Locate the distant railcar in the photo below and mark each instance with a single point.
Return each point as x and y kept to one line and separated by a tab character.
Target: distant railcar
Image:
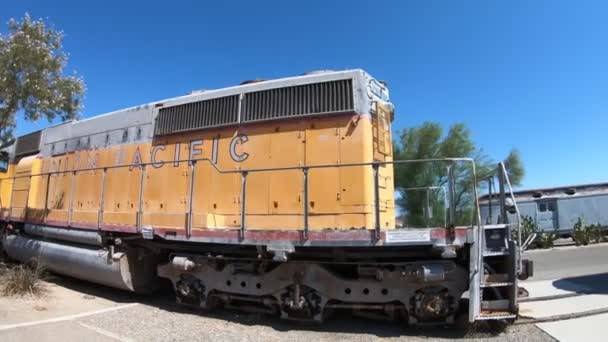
556	209
274	195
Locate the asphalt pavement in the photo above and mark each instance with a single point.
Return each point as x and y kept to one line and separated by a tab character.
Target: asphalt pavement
576	280
569	261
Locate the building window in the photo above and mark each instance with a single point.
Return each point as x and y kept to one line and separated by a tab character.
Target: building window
546	206
542	206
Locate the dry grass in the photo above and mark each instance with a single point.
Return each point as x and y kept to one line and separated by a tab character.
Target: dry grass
20	280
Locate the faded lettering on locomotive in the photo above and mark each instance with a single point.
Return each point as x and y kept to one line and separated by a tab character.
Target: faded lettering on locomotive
156	158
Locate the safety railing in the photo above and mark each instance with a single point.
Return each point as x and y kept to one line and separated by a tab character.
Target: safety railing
428	212
504	181
243	191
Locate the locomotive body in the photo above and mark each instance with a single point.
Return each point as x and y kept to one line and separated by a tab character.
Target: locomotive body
274	196
333	126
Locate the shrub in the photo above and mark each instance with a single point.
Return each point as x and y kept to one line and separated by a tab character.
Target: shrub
547	239
585	234
596	232
21	280
528	227
543	238
581	234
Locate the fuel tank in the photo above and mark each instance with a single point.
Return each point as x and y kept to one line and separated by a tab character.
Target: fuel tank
126	269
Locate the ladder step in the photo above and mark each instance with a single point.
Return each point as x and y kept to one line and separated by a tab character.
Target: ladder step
487	253
495	315
496	277
496	280
495	305
496	284
495	226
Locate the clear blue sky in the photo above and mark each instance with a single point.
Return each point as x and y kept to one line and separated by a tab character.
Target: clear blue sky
525	74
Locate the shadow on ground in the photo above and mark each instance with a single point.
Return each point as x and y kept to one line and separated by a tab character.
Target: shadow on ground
339	322
588	284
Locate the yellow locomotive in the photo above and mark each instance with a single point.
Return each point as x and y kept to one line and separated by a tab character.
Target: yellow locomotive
276	194
263	125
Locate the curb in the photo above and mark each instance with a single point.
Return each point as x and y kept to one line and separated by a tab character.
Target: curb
530	320
565	247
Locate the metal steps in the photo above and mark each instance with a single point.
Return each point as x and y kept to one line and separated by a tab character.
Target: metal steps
495	315
497	283
495	254
495	226
496	277
490	253
498	304
496	280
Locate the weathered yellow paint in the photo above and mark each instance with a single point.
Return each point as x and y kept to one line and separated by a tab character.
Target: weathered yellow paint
339	198
383	145
6	190
21	186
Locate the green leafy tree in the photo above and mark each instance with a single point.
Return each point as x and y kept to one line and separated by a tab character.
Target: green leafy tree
426	142
32	79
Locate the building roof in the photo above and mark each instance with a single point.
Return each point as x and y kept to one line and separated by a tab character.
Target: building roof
556	192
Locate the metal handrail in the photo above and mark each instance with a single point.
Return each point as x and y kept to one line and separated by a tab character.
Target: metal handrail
287	168
445	198
506	177
244	172
480	234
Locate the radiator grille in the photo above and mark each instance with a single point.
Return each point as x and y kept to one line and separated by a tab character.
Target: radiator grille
28	144
316	98
301	100
217	112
